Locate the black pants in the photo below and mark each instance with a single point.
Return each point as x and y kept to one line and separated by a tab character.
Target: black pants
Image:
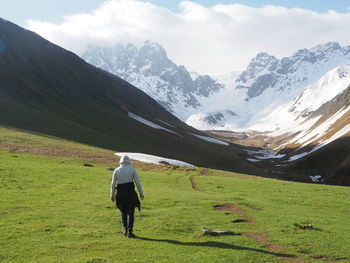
128	218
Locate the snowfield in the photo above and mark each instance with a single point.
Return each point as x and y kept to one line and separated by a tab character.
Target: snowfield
149	123
337	135
253	160
316	178
147	158
264	154
209	139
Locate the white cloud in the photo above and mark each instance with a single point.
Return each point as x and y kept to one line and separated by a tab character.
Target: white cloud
207	40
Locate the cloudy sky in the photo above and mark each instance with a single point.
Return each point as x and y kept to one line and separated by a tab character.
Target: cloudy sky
210	37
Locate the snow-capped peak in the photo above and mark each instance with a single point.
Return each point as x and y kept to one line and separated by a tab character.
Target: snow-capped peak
149	68
268	84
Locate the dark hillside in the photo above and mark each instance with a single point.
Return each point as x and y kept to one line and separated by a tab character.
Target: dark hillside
46	89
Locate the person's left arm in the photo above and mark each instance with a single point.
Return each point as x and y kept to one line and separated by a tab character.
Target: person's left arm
113	183
138	183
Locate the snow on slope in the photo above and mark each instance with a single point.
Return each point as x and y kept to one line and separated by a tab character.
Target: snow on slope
269	84
305	137
149	69
345	130
209	139
149	123
147	158
292	117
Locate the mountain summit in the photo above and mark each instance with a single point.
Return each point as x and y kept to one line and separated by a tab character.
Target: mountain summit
269	83
149	68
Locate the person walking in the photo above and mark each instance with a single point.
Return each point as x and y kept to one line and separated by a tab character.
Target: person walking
124	194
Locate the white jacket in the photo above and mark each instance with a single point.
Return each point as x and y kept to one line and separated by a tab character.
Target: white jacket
125	174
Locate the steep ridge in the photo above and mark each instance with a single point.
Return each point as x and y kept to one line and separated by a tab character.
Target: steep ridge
269	83
313	140
49	90
149	68
324	149
302	111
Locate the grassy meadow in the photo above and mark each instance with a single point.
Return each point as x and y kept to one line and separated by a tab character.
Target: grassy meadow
55	209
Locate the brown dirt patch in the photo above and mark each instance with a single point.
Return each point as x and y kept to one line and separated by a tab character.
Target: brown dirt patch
274	247
229	207
295	260
260	237
95	155
204	171
264	239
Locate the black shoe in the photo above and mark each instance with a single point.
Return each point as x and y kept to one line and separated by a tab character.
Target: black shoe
131	235
125	233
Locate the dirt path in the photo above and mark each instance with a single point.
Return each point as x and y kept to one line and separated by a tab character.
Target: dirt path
193	181
265	241
262	238
194	184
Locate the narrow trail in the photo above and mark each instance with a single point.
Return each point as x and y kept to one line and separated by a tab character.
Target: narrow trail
265	241
193	181
194	184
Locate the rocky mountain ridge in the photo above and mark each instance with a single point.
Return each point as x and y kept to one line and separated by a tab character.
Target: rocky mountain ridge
149	68
269	83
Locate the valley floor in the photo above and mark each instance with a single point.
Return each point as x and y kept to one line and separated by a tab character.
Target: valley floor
54	208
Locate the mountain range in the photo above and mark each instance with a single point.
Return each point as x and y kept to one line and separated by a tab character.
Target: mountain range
301	99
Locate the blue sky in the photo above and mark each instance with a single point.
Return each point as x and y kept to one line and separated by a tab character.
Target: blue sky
317	5
18	11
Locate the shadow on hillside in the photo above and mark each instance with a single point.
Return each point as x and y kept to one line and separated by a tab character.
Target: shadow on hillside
215	244
332	162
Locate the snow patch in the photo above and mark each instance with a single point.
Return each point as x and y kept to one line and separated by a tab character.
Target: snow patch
147	158
298	156
316	178
253	160
166	123
264	154
338	134
149	123
307	137
209	139
194	75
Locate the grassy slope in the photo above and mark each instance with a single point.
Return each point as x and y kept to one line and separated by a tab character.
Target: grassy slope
54	209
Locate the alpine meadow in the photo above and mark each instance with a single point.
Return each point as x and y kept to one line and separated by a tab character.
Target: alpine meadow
174	131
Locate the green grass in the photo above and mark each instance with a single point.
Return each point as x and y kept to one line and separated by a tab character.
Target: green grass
55	209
